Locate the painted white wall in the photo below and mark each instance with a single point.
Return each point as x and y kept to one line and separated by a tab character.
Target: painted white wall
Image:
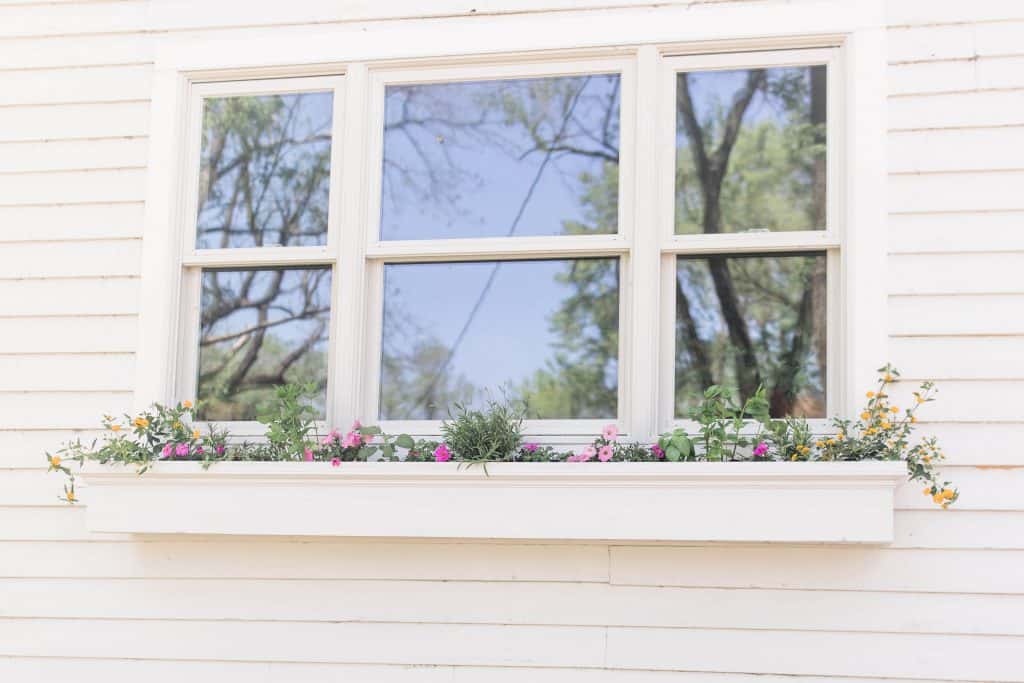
943	603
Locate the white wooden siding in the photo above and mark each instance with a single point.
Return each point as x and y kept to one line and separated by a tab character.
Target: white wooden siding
943	603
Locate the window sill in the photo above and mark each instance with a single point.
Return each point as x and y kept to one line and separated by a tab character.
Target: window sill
645	502
839	503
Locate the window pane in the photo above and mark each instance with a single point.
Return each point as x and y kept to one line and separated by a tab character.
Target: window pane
543	331
260	329
535	156
746	320
750	150
264	171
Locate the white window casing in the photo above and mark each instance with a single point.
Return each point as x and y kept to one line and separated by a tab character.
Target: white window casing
647	47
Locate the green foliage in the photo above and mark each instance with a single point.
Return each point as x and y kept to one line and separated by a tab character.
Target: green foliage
493	433
291	420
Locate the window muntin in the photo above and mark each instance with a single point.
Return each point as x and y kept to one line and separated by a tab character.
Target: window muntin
751	150
553	322
258	329
501	158
264	170
748	320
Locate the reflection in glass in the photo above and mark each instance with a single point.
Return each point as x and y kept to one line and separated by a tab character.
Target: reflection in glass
264	171
260	329
746	320
542	331
750	150
536	156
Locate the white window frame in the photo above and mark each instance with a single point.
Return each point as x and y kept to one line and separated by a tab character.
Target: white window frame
652	39
827	239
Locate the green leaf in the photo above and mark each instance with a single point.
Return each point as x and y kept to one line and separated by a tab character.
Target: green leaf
405	441
672	453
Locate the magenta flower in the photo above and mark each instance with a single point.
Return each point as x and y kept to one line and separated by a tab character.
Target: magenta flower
658	452
530	447
181	449
307	454
335	462
219	449
610	432
352	440
760	449
605	453
442	454
199	450
167	450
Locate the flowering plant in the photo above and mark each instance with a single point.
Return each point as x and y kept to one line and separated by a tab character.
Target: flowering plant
727	431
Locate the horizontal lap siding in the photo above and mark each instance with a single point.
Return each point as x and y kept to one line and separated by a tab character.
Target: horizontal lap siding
942	603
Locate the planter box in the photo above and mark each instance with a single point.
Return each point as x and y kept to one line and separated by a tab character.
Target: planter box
647	502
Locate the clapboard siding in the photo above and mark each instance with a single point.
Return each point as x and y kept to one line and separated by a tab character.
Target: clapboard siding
942	603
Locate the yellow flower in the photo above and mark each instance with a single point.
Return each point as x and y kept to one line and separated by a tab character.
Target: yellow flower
186	404
913	418
71	496
894	410
885	424
819	443
948	494
927	458
920	399
945	506
54	461
794	457
177	425
938	499
887	378
927	490
871	394
141	422
115	428
195	433
865	415
840	436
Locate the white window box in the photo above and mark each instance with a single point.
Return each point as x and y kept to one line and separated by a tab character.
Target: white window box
646	502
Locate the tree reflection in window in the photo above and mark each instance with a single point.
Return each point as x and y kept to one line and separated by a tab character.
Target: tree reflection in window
260	329
264	171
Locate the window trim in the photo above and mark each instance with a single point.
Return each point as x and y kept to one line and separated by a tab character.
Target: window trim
647	33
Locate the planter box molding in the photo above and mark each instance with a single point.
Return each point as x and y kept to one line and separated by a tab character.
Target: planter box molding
817	502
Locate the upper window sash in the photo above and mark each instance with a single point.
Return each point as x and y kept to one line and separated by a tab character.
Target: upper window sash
199	94
826	236
468	246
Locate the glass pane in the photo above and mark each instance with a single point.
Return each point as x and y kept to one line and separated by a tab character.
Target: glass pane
259	329
264	171
750	150
536	156
746	320
543	331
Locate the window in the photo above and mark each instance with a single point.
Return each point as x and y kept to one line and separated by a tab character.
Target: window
464	231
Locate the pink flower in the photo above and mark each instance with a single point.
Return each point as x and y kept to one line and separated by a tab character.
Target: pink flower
181	449
610	432
586	454
331	437
219	449
199	450
760	449
335	462
658	452
442	454
530	447
352	440
167	450
605	453
307	454
356	425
